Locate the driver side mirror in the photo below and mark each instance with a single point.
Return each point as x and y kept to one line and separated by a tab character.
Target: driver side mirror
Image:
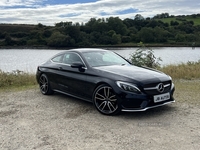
78	65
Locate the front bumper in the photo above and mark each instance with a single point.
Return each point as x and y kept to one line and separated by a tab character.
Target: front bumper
146	108
142	102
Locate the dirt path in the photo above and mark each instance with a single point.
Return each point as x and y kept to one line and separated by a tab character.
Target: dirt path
29	120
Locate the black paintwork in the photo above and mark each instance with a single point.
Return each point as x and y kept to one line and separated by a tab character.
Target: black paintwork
80	80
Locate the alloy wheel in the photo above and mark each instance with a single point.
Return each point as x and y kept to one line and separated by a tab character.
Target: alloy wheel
105	100
44	85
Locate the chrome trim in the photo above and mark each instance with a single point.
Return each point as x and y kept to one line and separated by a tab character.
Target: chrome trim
160	87
166	85
144	109
155	88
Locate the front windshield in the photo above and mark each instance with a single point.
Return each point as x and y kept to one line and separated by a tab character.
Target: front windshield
103	58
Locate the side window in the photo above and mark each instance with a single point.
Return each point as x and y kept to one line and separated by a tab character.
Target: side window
57	59
71	58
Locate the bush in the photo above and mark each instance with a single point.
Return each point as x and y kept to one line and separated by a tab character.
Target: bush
144	56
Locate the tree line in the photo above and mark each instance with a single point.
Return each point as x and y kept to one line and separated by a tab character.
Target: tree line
162	29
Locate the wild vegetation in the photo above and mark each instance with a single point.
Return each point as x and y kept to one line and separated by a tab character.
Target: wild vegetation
144	57
188	71
16	79
161	30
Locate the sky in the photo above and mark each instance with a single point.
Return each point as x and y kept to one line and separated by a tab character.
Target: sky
49	12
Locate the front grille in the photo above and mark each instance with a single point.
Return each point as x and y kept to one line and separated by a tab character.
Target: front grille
152	89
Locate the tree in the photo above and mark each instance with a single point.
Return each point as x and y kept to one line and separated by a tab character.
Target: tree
146	35
59	40
117	25
152	24
73	32
138	17
116	39
180	38
132	30
144	56
8	40
160	35
126	39
111	33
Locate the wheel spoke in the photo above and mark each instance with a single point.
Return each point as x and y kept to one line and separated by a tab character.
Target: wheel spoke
42	87
113	98
106	92
111	105
41	80
104	105
100	97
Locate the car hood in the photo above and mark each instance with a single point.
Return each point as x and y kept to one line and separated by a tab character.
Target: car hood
144	75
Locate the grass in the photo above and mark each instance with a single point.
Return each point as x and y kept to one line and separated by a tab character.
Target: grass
188	18
189	71
16	80
187	91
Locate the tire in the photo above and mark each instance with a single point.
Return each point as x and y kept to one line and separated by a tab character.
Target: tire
105	100
45	87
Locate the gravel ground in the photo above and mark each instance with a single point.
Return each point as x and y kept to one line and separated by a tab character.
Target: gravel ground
31	121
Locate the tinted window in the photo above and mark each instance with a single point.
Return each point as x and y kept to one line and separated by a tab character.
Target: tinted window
105	58
70	58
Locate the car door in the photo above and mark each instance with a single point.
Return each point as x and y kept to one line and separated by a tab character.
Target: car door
54	71
72	80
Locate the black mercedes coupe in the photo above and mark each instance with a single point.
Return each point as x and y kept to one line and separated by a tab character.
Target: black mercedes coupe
106	79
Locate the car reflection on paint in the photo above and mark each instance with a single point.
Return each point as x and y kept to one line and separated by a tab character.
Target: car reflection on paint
106	79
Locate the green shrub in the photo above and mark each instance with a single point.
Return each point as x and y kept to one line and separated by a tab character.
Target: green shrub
144	56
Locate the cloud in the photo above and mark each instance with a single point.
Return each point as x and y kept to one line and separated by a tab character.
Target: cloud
17	3
41	11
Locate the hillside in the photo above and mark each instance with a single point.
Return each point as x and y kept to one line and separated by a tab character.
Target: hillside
161	30
180	19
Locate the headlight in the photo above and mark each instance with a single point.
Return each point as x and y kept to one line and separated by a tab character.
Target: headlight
128	87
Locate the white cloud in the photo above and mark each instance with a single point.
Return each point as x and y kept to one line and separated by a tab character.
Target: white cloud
50	14
10	3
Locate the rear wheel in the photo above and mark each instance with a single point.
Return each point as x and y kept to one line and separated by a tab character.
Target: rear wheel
45	87
105	100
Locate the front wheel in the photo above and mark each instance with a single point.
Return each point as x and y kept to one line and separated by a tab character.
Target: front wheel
45	87
105	100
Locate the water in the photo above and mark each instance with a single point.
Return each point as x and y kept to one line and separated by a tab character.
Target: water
169	55
28	59
25	60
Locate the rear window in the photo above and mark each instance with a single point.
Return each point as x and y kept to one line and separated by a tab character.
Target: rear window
57	59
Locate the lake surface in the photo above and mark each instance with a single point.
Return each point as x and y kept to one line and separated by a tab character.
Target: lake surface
28	59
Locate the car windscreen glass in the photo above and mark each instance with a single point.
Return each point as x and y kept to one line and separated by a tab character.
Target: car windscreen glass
103	58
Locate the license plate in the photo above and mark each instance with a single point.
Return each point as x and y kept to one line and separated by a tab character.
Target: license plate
161	97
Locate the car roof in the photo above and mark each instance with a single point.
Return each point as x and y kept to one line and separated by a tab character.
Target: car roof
80	50
86	49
